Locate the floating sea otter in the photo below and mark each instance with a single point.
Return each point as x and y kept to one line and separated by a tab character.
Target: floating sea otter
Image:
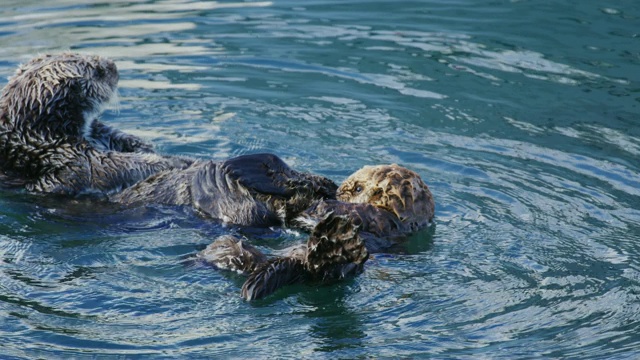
52	142
50	138
377	206
250	190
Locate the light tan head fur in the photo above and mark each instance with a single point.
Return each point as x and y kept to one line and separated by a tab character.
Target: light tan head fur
393	188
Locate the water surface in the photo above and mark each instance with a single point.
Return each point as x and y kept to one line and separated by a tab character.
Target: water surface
522	116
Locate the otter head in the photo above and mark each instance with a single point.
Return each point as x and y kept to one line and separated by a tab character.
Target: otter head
392	188
58	95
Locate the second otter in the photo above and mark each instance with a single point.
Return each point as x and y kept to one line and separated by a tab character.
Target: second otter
50	138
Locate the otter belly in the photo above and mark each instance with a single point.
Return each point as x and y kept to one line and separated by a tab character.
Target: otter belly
251	190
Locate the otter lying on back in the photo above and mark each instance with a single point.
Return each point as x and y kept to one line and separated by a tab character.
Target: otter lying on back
387	202
377	207
251	190
50	138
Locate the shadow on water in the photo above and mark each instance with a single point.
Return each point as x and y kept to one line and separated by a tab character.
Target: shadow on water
418	243
335	325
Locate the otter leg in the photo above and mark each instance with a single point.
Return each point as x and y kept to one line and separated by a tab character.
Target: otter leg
267	174
219	196
334	251
116	170
231	253
271	276
105	138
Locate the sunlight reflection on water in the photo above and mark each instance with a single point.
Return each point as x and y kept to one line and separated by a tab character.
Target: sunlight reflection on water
527	139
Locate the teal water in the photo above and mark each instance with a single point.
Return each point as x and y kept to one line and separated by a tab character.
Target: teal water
522	116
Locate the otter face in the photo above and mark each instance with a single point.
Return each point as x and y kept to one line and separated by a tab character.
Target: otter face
393	188
59	93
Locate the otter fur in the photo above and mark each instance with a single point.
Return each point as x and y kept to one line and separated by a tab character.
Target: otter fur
375	208
250	190
334	251
51	140
387	202
230	253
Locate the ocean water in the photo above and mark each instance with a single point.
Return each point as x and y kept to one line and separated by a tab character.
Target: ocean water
522	116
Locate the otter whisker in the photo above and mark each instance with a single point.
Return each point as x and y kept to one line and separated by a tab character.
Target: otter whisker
114	102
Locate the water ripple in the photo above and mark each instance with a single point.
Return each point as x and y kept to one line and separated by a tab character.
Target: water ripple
527	139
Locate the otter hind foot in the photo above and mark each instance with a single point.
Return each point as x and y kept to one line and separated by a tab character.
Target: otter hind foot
334	251
231	253
271	276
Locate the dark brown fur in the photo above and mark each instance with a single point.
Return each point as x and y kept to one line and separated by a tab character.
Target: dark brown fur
254	190
230	253
334	251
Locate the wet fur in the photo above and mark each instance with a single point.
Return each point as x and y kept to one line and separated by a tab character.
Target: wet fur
393	188
50	139
334	251
252	190
388	202
230	253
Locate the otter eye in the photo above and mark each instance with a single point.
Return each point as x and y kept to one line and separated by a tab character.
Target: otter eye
358	189
100	71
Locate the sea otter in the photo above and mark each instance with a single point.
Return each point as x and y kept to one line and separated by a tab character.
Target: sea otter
51	140
377	206
250	190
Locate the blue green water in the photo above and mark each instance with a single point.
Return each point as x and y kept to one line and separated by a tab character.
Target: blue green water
522	116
